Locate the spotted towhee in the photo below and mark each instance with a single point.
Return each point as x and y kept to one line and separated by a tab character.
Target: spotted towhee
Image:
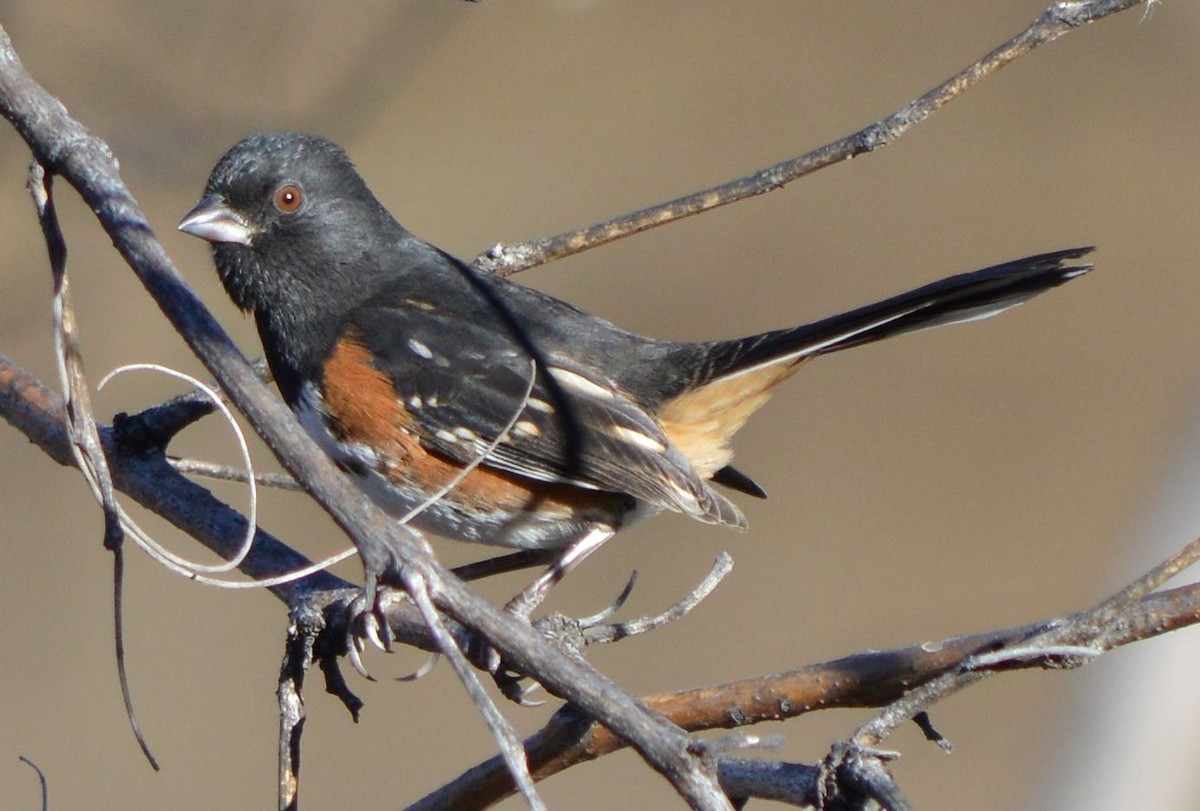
408	365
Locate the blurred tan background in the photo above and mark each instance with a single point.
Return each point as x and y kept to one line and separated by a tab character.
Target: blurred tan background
949	482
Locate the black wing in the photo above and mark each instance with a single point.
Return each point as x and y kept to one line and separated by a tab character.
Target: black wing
467	374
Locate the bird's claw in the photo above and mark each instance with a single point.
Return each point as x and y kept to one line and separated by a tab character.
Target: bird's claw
366	621
485	657
511	684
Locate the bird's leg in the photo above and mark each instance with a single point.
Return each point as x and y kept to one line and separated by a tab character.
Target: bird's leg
533	595
526	602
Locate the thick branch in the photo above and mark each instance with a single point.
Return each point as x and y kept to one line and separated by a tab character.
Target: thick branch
872	679
151	481
64	147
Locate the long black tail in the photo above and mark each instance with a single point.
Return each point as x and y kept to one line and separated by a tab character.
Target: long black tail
966	297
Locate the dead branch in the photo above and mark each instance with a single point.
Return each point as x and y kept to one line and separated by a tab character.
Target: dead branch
1057	20
874	679
65	148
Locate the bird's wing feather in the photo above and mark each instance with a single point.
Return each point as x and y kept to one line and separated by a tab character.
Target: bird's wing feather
464	379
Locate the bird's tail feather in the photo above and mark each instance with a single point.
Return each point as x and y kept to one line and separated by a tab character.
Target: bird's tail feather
724	382
957	299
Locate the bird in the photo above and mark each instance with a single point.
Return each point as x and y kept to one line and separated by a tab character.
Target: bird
482	410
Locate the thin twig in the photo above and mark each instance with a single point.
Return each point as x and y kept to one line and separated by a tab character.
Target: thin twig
1058	19
1067	642
1070	641
157	551
80	424
793	783
595	633
153	428
505	736
1151	580
856	777
302	635
80	420
228	473
149	480
41	779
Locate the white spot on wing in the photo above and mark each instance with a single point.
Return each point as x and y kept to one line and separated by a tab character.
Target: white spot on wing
635	437
576	381
540	405
419	348
446	436
526	428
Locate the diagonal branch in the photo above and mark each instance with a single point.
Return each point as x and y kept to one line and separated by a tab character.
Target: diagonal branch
65	148
1055	21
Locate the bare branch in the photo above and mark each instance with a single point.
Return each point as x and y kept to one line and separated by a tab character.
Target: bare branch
793	783
872	679
1067	642
595	633
149	479
219	472
1150	581
856	777
80	425
65	148
502	731
1058	19
303	632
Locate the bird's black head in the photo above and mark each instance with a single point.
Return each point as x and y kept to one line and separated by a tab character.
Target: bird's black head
297	237
290	220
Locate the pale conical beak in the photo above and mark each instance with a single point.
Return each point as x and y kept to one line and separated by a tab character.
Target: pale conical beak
215	221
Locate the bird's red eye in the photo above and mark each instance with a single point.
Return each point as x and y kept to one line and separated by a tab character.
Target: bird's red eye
289	198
